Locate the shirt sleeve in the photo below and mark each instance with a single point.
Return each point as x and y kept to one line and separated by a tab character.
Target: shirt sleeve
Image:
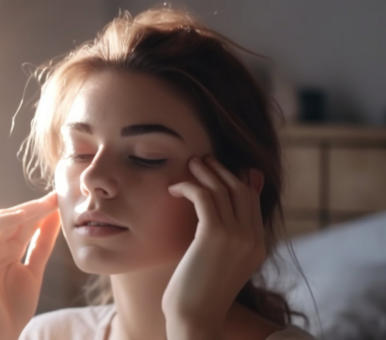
83	323
41	327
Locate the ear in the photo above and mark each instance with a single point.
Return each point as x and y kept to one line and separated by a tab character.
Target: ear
253	178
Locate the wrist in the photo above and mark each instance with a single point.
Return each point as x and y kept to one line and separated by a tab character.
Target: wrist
182	328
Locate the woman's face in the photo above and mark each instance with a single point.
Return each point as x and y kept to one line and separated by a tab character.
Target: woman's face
104	170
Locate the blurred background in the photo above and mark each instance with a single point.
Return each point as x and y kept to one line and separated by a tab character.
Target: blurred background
326	70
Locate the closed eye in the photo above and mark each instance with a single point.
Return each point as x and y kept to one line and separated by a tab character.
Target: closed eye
80	157
146	162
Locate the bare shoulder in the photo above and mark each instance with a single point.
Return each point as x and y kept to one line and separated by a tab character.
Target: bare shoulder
245	324
291	333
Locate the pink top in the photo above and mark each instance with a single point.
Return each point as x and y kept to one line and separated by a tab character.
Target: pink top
92	322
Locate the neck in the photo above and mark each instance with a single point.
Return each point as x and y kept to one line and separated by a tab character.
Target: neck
138	297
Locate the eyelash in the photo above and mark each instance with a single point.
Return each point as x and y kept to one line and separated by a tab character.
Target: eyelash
144	162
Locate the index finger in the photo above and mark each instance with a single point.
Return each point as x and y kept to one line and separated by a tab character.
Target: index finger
33	209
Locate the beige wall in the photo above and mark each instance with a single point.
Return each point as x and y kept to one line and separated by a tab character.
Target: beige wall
336	45
32	32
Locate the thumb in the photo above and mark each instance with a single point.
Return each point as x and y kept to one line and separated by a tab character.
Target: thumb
42	244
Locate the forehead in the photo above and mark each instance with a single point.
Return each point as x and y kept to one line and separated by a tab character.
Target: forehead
110	100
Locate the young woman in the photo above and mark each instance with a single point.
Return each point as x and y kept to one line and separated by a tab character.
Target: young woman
165	168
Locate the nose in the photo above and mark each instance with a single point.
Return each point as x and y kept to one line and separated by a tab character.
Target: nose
98	179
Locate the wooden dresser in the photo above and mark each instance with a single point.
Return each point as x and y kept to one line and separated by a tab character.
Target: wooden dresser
332	174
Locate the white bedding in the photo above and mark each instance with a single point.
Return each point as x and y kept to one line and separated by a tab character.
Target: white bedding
345	266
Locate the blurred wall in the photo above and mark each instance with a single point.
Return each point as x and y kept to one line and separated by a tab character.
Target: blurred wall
339	46
32	32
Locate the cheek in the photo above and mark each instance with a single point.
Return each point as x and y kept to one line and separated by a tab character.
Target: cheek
176	222
182	213
65	178
170	229
65	186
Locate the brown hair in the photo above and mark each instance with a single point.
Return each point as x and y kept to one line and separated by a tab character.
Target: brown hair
201	65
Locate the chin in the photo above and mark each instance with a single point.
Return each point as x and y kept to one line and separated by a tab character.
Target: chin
94	260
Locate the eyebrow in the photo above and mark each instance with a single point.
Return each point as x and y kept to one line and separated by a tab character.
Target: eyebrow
129	130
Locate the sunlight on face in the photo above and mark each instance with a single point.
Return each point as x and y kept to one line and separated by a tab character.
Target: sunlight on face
113	166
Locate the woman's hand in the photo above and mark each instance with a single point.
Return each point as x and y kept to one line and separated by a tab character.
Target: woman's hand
20	283
227	249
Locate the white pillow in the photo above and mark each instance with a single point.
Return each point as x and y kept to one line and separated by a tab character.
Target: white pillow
343	264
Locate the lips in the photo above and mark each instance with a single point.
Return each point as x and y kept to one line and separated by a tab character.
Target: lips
96	219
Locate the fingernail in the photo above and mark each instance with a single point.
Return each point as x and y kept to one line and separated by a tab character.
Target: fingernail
48	196
172	188
174	192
